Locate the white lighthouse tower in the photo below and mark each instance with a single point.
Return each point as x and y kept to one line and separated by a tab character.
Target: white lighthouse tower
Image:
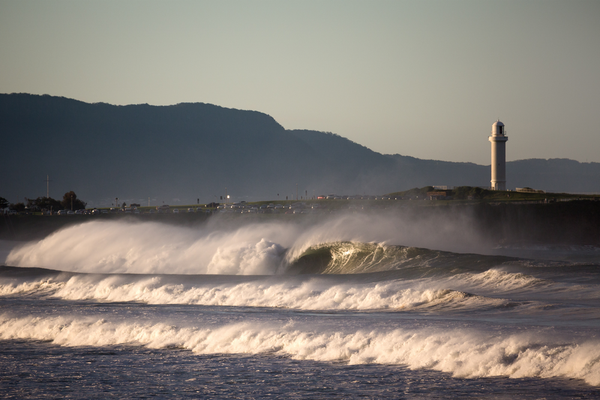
498	140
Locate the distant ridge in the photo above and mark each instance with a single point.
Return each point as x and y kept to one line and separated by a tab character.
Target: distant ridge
189	151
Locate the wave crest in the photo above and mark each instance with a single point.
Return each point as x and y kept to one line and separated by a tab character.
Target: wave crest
310	294
466	353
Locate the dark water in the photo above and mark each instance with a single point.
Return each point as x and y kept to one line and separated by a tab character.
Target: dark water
303	316
43	370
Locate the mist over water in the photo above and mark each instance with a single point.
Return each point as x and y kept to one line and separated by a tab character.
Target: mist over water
223	247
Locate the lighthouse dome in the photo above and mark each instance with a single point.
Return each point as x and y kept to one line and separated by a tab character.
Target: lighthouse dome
498	128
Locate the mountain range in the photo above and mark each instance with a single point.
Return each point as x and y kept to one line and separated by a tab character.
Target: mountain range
193	152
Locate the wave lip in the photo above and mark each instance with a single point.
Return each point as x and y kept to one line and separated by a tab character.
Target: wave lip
349	257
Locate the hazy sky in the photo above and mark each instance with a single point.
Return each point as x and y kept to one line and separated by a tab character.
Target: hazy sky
419	78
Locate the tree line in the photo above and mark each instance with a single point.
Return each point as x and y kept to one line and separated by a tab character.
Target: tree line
46	204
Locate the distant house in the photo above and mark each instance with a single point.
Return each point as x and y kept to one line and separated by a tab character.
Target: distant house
529	190
439	195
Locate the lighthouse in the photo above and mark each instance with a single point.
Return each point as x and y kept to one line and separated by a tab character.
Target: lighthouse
498	140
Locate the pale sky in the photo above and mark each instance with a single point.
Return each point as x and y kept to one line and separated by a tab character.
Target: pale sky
420	78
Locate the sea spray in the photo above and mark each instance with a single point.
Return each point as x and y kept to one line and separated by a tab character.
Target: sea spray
126	247
224	247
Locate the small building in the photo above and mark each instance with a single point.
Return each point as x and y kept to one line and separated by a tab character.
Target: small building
439	195
529	190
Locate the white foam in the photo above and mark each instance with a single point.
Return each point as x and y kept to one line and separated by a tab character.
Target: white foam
497	281
467	353
312	294
502	280
45	286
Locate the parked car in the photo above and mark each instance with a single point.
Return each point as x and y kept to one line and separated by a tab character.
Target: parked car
163	208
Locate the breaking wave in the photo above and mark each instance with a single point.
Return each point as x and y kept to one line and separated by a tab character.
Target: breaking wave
463	292
467	353
344	244
312	294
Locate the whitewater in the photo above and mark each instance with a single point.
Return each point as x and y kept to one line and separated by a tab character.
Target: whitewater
344	306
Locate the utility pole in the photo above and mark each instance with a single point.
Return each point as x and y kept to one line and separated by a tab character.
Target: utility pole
47	186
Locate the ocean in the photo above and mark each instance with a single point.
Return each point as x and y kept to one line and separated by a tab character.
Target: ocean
339	306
